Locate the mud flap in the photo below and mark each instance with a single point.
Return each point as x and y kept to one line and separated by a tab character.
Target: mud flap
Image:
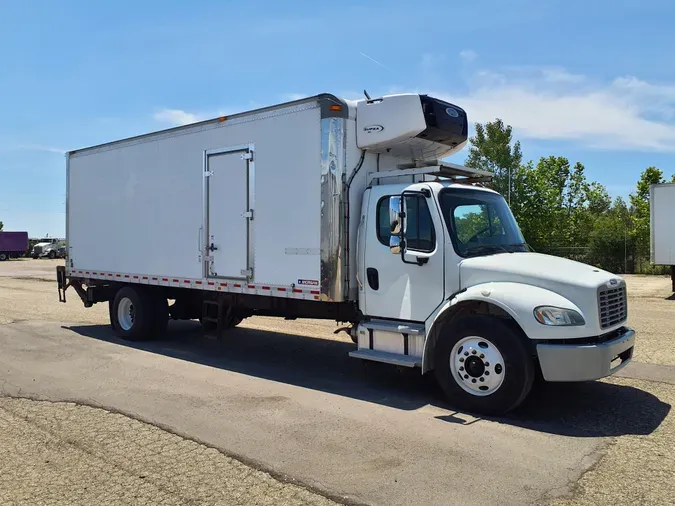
62	282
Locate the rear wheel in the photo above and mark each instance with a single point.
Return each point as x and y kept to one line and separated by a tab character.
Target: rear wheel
137	314
52	255
483	365
3	257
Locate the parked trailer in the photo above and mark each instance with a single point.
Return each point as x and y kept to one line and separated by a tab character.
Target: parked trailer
662	228
341	210
13	245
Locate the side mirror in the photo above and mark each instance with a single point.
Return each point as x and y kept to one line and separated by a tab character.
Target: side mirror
395	225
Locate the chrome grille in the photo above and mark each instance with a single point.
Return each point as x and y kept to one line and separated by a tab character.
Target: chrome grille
612	306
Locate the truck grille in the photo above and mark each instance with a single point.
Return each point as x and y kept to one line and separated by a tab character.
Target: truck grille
612	306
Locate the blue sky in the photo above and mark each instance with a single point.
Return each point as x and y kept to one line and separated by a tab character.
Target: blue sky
589	80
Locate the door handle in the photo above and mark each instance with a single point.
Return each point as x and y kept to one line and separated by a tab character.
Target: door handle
373	278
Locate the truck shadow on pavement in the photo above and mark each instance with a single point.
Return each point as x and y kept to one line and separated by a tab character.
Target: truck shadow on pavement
594	409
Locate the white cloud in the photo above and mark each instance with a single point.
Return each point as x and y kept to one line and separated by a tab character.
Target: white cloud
177	117
554	104
44	149
291	97
468	55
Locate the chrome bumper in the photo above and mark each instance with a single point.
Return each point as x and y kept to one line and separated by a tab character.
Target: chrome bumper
585	362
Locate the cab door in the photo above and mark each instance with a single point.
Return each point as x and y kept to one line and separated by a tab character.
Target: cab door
392	288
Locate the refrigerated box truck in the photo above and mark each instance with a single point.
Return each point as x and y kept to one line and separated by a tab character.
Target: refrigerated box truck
662	226
335	209
13	245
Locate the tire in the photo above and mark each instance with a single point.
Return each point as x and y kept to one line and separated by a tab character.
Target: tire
492	389
3	257
137	314
52	255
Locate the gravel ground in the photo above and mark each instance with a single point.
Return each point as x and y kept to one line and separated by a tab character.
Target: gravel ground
651	308
636	469
63	453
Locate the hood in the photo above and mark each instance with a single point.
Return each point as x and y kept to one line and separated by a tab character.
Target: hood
546	271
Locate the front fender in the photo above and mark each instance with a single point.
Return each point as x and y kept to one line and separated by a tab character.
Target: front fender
515	299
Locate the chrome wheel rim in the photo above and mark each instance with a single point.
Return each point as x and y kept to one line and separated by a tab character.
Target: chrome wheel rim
477	366
125	314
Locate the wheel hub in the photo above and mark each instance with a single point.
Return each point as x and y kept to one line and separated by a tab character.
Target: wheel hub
477	366
126	314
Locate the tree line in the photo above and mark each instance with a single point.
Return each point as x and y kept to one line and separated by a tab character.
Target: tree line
560	211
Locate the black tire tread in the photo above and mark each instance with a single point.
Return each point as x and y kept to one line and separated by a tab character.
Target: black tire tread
151	317
519	365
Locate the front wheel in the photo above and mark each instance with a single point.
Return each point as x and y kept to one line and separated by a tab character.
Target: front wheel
483	365
3	257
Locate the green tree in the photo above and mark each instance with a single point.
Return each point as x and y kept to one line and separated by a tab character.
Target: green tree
1	225
491	149
611	243
640	216
599	201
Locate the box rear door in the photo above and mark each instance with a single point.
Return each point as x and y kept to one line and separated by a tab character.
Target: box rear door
229	178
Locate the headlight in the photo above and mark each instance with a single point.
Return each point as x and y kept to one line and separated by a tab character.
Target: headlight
548	315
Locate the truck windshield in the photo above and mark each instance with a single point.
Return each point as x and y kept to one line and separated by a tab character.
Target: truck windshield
480	223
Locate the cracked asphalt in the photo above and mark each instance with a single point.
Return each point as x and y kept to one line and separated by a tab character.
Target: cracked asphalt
278	414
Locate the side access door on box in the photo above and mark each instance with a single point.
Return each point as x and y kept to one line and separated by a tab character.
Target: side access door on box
228	212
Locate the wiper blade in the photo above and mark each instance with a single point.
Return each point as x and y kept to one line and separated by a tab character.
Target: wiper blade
526	245
487	248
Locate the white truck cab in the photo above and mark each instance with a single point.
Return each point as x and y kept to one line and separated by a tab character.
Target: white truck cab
475	304
332	209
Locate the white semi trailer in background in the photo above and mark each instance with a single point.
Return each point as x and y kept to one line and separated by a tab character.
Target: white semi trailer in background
662	226
333	209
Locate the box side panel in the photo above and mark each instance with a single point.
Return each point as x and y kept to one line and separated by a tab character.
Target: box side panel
138	207
663	224
287	200
13	241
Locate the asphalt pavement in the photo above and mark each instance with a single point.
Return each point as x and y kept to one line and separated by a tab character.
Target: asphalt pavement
284	399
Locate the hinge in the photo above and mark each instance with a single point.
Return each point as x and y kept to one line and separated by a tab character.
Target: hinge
248	214
247	272
247	156
208	173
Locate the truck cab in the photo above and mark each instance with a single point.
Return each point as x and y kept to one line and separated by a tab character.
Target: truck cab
449	284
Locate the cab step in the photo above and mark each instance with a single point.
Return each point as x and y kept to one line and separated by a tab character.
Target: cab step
387	358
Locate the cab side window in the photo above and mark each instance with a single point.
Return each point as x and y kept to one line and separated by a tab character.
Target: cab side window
420	234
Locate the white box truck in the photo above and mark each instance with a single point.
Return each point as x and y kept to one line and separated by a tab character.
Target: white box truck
335	209
662	226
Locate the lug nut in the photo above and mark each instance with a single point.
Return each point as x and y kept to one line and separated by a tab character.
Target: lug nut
487	364
461	368
461	359
482	379
487	373
482	356
466	376
473	380
474	352
466	353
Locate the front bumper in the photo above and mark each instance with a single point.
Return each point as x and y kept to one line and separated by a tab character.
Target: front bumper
585	362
